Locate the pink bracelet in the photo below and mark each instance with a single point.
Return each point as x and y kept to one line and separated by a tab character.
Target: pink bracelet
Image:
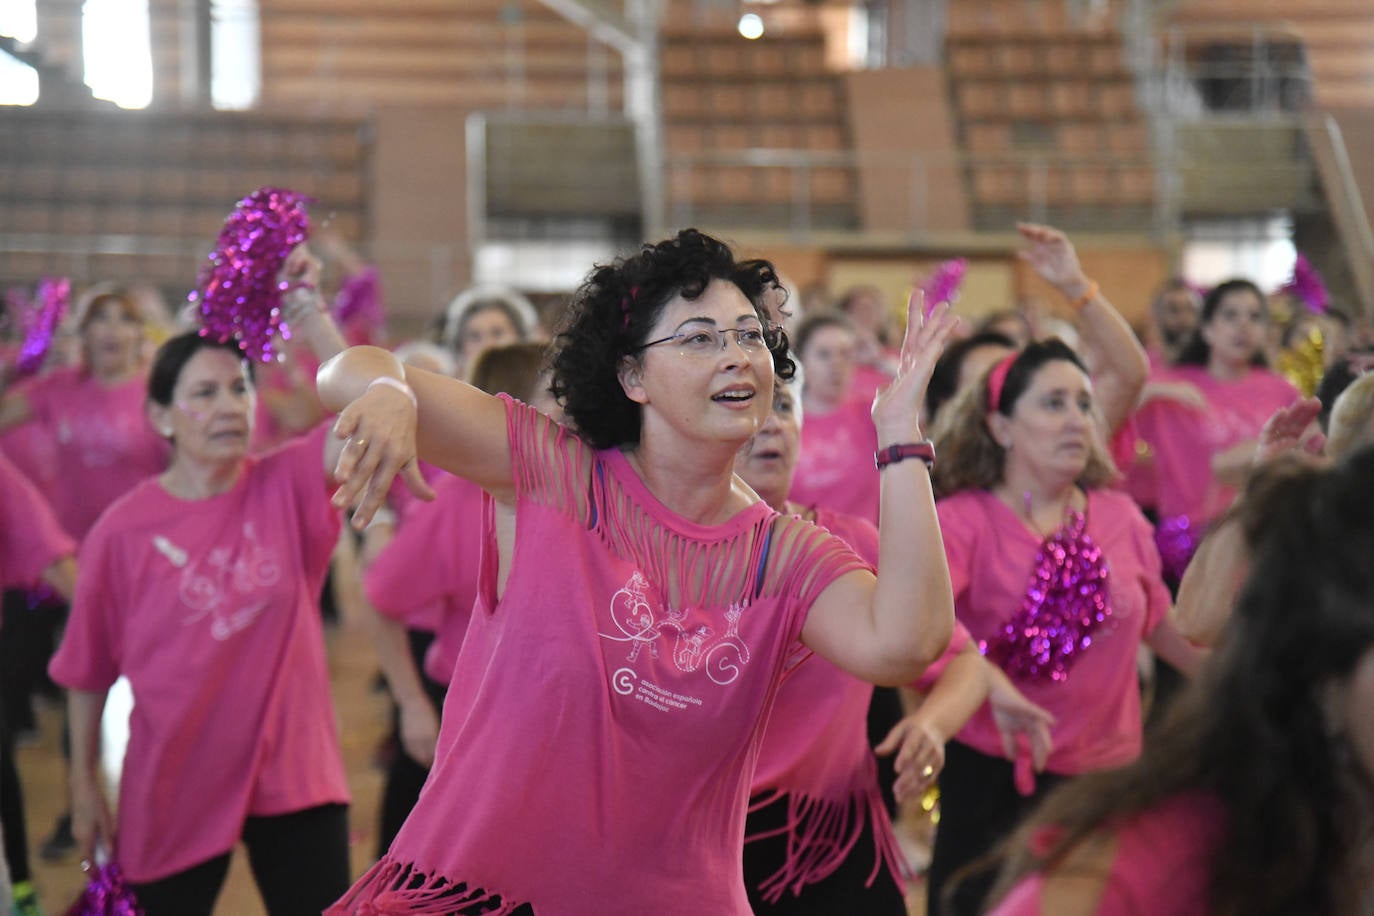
394	383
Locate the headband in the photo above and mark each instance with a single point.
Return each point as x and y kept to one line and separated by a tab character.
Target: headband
998	378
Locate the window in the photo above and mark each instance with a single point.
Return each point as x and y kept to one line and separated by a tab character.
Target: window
118	57
236	75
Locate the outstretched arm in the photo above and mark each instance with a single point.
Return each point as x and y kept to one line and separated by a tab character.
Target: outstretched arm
907	612
1118	362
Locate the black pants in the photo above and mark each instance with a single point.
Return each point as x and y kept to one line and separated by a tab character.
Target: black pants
979	807
28	638
299	861
840	893
404	776
884	712
16	839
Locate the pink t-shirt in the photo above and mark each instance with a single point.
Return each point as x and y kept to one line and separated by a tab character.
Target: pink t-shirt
835	468
31	539
868	380
32	449
815	753
1162	865
411	582
1184	439
209	608
104	443
605	715
991	553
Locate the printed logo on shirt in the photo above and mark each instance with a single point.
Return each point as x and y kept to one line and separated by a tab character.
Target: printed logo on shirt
101	441
226	586
695	644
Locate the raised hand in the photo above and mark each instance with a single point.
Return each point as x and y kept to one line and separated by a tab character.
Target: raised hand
897	407
1050	253
1288	429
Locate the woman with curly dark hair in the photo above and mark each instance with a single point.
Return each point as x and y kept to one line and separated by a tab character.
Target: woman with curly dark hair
1256	796
606	710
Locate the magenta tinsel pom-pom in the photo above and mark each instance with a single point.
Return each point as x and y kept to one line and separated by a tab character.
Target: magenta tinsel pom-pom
943	284
359	302
1307	286
1066	600
1177	537
238	292
106	894
54	296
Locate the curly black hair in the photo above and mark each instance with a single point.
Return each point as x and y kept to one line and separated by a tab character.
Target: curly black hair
613	311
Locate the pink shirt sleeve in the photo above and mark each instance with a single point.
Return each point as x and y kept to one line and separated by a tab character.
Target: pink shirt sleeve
957	643
311	488
958	529
31	539
91	655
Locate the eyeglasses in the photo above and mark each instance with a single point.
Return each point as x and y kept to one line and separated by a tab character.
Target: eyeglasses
697	339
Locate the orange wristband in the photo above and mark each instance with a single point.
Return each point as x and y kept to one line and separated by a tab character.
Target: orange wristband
1091	294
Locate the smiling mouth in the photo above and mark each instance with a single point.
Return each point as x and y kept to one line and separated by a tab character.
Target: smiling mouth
733	397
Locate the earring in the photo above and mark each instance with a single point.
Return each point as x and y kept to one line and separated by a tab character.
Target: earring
166	432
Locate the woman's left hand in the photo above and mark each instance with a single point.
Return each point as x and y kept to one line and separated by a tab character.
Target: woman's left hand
920	757
897	407
379	429
1050	253
1017	717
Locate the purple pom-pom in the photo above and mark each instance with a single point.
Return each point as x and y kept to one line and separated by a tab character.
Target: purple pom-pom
1067	599
239	292
1306	285
54	296
943	284
359	302
106	894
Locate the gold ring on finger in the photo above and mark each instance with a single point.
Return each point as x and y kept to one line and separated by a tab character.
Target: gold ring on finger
360	443
928	771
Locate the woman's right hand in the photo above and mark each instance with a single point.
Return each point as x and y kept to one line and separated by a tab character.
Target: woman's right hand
378	430
92	820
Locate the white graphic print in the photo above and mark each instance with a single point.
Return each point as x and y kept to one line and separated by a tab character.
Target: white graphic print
695	644
225	587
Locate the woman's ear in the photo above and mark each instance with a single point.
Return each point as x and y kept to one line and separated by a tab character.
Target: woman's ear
160	417
999	428
631	378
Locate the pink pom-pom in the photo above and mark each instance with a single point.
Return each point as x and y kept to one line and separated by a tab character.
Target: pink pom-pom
239	292
943	284
1306	285
1067	599
106	894
358	305
54	296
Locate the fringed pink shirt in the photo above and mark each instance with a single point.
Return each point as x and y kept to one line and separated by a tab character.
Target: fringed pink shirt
815	754
605	714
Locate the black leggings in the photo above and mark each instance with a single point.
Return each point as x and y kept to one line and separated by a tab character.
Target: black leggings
979	807
299	861
16	841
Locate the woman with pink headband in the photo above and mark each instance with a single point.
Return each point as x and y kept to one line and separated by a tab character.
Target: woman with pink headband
1057	579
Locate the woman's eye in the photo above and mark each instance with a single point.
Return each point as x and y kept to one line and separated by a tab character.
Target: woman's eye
698	339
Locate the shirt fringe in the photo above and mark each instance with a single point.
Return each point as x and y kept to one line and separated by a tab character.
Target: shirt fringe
822	834
392	888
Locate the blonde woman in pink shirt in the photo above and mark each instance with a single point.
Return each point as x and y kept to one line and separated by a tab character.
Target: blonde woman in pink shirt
606	710
1255	796
199	585
1057	578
